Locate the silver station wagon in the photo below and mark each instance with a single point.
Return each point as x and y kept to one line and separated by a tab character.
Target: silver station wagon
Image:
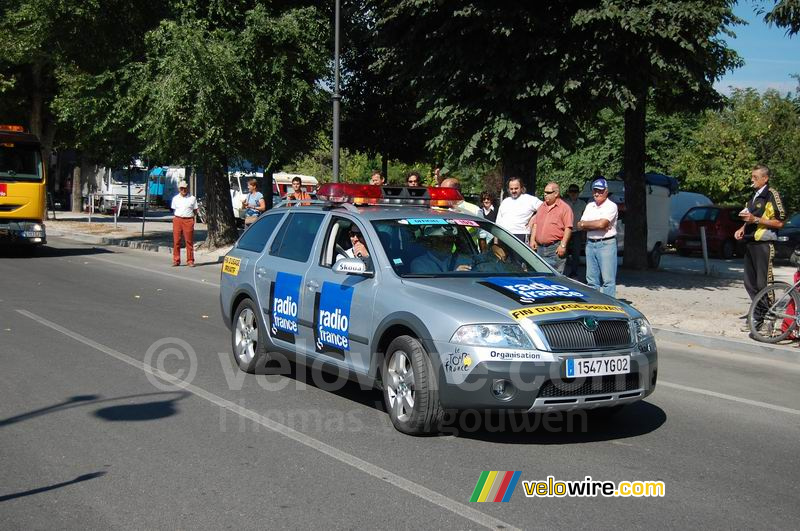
398	289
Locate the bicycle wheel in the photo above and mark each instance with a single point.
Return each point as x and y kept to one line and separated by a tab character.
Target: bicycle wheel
769	317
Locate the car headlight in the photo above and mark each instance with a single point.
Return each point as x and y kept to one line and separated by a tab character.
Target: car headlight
492	335
642	329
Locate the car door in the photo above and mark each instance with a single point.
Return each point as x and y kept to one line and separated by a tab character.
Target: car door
280	277
340	306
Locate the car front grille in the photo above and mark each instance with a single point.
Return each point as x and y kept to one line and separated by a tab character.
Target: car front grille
596	385
568	336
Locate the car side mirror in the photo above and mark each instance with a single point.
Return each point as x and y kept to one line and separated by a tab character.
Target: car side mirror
352	266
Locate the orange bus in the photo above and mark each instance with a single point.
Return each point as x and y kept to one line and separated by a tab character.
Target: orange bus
22	187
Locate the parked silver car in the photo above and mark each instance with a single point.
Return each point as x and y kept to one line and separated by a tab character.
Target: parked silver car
439	309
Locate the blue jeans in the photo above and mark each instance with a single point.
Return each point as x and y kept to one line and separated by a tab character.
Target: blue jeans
601	263
549	254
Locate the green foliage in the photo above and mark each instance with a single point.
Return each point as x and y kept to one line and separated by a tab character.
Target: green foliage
785	14
752	129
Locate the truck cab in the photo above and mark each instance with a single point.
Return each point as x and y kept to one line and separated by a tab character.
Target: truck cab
23	180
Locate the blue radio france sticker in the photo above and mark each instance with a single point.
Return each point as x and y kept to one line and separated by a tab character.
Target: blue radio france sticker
570	368
285	302
426	221
333	316
531	290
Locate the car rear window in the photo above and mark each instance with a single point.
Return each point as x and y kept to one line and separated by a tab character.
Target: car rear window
702	214
296	236
255	238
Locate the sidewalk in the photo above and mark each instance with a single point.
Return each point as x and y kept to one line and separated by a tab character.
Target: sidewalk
681	302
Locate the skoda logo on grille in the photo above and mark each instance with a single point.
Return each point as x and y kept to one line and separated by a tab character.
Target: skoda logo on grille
590	323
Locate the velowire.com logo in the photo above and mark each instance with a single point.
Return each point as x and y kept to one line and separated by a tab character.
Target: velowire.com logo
494	486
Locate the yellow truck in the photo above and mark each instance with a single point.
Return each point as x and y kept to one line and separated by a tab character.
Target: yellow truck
23	181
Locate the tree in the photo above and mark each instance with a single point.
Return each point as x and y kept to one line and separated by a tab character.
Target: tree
785	14
226	82
665	52
495	85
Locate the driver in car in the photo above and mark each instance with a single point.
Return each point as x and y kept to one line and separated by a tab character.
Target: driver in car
441	252
358	248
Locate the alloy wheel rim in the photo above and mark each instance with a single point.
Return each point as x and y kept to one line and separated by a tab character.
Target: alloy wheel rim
401	386
246	336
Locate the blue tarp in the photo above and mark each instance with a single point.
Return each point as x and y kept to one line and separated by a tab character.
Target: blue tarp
158	172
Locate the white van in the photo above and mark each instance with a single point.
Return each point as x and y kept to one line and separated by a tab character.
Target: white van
659	188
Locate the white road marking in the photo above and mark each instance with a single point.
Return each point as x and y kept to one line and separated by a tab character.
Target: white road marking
732	398
162	273
375	471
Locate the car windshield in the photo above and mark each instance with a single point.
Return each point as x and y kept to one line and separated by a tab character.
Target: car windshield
455	247
20	162
702	214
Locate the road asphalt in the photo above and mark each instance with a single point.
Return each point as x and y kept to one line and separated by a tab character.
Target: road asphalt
120	408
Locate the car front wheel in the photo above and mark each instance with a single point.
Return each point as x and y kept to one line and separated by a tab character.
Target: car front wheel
410	389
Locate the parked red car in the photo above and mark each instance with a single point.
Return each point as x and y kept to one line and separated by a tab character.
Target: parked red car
721	222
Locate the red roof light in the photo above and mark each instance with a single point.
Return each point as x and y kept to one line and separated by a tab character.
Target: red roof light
366	194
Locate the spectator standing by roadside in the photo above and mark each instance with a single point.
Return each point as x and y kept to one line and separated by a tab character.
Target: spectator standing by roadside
487	206
552	226
464	206
377	178
298	194
576	239
599	220
413	179
184	207
253	203
517	210
763	215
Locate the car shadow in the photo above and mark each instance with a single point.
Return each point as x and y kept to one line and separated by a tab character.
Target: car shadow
25	252
576	427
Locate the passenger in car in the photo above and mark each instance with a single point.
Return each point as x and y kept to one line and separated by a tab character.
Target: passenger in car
358	248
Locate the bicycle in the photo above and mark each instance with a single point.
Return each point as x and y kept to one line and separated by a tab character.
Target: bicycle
773	313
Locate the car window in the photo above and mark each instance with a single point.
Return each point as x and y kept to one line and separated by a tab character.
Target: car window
296	236
794	221
438	247
255	238
338	242
702	214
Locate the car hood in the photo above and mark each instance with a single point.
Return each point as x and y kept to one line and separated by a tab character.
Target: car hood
539	297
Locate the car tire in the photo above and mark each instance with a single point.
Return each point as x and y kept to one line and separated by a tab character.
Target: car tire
410	388
654	257
728	249
249	350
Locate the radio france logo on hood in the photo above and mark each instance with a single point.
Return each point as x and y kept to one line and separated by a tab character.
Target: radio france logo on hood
285	299
333	316
532	289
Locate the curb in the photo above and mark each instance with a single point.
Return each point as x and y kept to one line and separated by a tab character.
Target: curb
784	353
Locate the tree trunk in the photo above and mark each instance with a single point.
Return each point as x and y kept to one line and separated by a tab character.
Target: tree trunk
524	167
633	174
221	225
77	186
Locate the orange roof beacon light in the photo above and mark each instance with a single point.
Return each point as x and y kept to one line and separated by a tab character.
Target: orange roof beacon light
367	194
12	128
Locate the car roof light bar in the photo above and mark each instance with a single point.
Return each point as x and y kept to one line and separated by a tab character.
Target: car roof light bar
367	194
12	128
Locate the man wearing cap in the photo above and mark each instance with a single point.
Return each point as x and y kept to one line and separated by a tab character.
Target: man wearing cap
576	238
185	208
599	220
517	209
358	249
551	229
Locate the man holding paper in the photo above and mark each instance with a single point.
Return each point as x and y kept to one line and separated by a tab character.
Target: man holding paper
763	215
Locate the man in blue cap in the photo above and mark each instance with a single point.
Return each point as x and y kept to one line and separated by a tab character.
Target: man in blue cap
599	220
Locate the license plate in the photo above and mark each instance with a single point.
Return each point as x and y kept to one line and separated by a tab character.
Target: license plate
581	367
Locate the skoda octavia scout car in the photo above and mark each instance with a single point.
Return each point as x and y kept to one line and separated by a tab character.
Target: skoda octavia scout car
397	288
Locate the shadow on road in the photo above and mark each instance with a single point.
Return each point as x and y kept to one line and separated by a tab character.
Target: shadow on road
125	412
22	252
79	479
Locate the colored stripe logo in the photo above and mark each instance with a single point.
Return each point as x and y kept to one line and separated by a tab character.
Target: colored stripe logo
494	486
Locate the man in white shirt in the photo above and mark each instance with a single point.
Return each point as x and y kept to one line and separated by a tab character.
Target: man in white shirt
599	220
517	209
185	208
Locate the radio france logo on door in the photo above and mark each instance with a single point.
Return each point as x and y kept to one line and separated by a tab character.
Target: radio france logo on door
332	318
285	299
